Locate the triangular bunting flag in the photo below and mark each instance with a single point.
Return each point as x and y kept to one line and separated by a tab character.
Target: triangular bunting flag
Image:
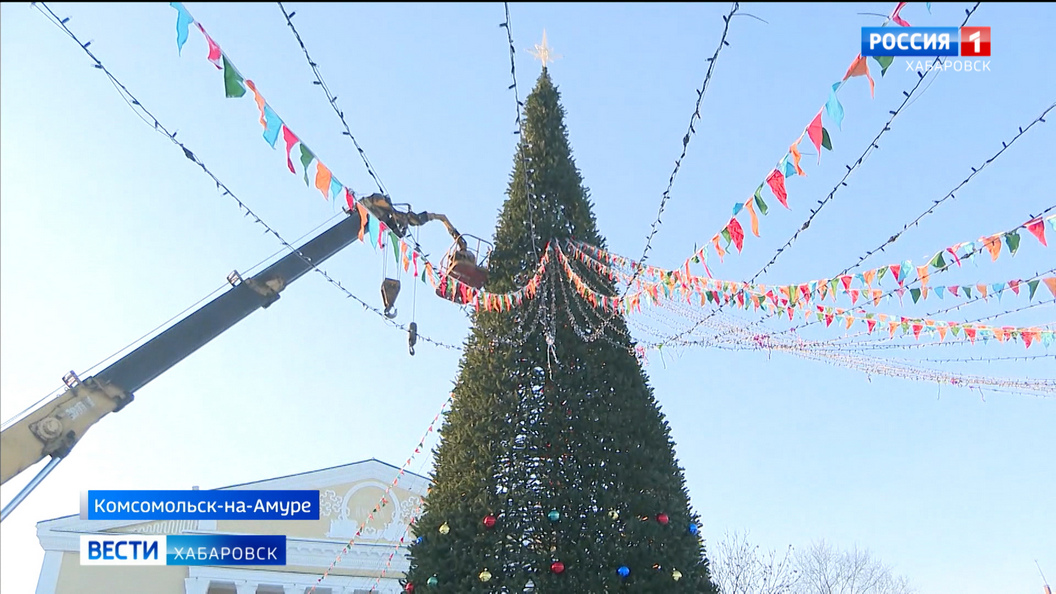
860	67
233	86
1037	229
777	185
214	49
814	132
833	106
884	62
183	20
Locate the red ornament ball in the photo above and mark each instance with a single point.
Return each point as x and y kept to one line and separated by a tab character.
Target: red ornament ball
662	518
557	567
409	587
489	521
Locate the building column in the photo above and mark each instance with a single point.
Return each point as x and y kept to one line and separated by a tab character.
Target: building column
244	587
288	589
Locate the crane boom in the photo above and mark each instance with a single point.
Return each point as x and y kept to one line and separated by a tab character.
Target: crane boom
55	427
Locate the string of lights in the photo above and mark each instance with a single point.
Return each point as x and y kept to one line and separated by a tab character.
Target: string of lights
939	270
149	118
885	342
944	267
739	338
915	222
990	359
655	225
861	159
520	128
331	98
382	502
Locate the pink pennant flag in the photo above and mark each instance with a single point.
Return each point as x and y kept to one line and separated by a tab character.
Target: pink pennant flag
291	139
736	233
814	132
776	181
1037	228
214	49
898	19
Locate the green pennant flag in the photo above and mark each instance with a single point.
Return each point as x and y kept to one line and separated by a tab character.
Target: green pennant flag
967	291
232	80
825	140
880	272
884	62
726	235
955	329
1033	287
937	261
759	199
395	241
306	159
1012	239
915	293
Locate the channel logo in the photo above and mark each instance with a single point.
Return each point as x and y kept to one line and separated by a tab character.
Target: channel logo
183	549
926	41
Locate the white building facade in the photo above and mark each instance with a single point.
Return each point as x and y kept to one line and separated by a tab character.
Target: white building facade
348	496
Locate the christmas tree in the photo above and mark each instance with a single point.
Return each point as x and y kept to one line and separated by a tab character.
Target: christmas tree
555	472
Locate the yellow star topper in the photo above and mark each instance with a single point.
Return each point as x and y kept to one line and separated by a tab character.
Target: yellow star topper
544	53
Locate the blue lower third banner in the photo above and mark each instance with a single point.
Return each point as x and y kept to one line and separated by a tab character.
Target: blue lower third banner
200	505
183	549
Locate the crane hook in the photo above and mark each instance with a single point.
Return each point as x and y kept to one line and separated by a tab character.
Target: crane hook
412	337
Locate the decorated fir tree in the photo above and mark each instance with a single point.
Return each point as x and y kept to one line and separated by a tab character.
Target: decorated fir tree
555	472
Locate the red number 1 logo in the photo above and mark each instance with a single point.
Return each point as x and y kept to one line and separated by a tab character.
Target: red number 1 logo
975	41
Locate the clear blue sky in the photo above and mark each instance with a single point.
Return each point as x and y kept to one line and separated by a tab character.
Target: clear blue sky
108	231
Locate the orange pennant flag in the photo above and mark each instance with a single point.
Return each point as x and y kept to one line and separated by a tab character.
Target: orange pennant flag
796	156
755	218
718	248
362	219
993	243
860	67
869	275
322	179
922	272
982	290
260	102
1050	282
942	332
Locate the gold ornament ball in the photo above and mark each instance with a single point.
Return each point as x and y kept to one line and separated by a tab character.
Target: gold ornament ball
615	515
485	575
676	575
444	528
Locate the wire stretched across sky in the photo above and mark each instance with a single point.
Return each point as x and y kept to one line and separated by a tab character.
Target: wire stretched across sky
150	119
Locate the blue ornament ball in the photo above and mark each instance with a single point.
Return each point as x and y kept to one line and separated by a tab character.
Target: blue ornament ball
693	528
624	571
554	515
